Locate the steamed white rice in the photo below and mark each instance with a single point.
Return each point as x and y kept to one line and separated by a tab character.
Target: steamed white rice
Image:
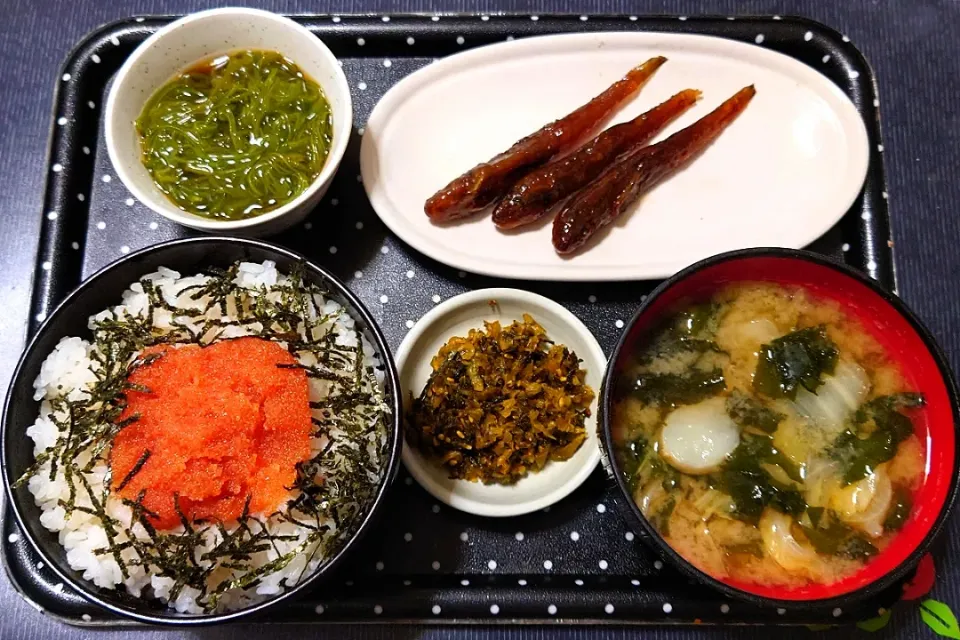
70	372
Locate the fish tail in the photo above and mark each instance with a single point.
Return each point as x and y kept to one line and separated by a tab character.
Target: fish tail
686	143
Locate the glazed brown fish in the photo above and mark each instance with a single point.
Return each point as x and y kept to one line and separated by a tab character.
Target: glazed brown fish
486	182
603	200
531	198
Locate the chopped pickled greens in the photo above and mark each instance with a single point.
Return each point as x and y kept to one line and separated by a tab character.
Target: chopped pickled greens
236	136
748	412
500	404
798	359
879	426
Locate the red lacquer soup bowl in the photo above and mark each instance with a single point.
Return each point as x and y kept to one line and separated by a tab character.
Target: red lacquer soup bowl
906	341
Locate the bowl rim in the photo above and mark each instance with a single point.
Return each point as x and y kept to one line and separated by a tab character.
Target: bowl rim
636	520
415	463
395	440
165	207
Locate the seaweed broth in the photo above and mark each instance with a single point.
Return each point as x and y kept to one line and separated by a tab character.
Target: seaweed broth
237	135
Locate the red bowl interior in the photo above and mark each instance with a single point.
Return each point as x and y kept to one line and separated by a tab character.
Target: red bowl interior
934	423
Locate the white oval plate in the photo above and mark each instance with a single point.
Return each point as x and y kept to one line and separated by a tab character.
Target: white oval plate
781	175
456	317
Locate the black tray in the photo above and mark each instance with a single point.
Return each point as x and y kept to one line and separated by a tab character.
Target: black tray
426	562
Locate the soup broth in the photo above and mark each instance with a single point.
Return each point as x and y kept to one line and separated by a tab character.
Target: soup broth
768	437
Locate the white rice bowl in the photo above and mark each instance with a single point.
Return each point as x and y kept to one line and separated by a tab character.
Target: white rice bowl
70	372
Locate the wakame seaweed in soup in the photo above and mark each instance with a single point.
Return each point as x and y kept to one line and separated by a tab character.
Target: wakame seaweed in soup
769	438
236	136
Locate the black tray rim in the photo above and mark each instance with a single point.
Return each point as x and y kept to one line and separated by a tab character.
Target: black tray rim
883	270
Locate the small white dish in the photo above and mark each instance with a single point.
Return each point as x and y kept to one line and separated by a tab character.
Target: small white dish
200	36
456	317
781	175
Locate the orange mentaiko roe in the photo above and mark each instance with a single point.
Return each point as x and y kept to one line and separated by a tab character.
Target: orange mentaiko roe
221	423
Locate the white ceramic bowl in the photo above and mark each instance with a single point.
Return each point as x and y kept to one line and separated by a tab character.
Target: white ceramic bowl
200	36
456	317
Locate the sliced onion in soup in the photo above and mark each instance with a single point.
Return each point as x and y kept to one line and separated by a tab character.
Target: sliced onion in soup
864	504
779	543
835	399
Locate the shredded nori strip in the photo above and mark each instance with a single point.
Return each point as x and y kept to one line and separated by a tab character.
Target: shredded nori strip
134	471
332	491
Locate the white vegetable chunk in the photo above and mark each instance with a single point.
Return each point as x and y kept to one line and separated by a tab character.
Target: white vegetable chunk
696	439
780	544
758	330
864	504
838	397
822	480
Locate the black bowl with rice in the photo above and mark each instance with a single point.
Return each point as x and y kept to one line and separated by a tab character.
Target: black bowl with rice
64	411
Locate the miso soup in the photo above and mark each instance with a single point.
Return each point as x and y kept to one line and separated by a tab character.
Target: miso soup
769	438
